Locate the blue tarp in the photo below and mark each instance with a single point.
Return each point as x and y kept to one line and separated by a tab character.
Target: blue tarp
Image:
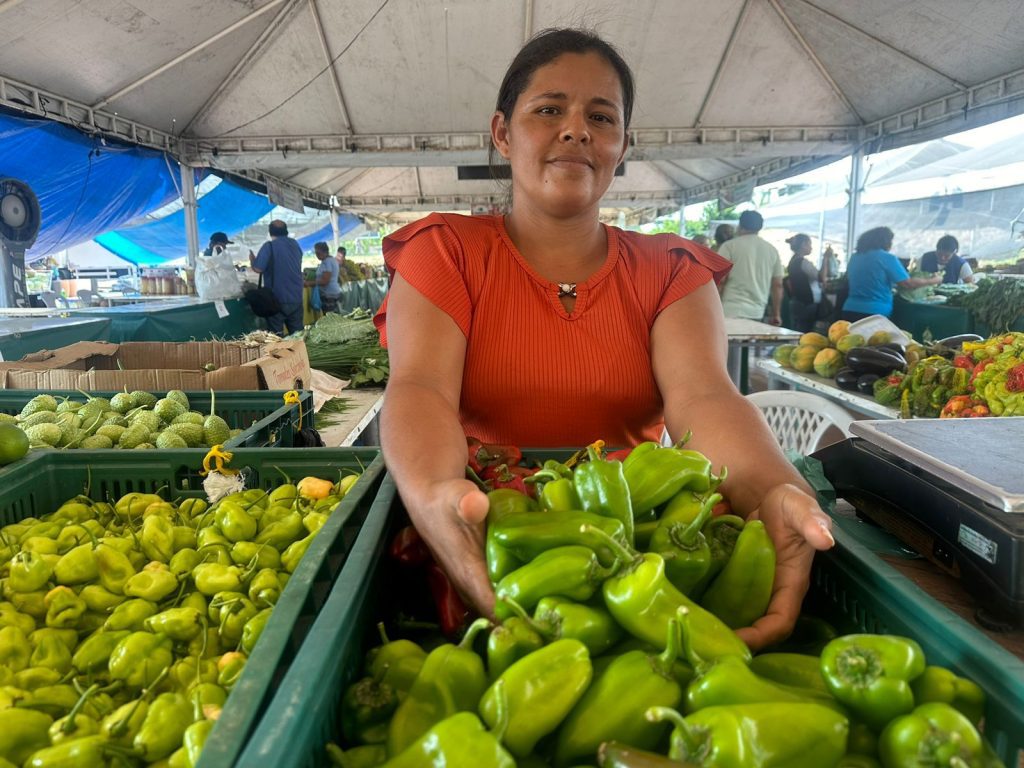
84	187
227	208
346	223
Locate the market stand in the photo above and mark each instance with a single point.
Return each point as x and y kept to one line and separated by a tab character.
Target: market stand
787	378
20	336
175	319
746	335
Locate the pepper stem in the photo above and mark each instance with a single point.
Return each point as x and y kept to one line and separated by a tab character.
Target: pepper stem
474	629
686	637
687	537
383	632
685	439
682	728
717	480
667	658
621	552
69	724
542	628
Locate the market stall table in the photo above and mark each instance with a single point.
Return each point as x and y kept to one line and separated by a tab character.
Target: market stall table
809	382
359	424
745	335
20	336
175	319
938	320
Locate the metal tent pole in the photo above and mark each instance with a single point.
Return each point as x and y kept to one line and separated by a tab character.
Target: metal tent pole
853	207
188	198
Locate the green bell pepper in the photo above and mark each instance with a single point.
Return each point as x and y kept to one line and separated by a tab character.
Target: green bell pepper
793	669
556	618
539	691
871	674
194	739
234	522
452	680
255	556
253	628
28	572
502	503
179	624
721	534
131	614
934	734
15	650
776	735
151	583
510	641
265	588
63	607
683	547
603	490
660	473
458	741
572	571
529	535
115	569
51	652
740	594
140	658
163	727
93	654
396	662
613	707
642	599
22	732
612	754
938	684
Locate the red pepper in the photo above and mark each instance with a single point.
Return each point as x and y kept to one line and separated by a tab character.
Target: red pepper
487	455
473	445
981	367
1015	378
452	613
506	476
963	361
619	455
721	508
408	548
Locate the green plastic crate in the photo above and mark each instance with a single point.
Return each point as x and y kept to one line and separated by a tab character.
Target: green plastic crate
850	586
265	419
46	482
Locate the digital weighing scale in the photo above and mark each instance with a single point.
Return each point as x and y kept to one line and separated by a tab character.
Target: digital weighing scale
952	490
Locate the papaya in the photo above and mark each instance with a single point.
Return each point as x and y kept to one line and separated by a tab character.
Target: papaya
849	341
814	340
802	358
828	362
837	330
879	337
783	354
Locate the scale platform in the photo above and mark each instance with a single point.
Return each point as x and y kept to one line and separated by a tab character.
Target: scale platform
953	491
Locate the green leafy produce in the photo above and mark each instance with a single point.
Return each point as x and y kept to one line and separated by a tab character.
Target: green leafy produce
998	303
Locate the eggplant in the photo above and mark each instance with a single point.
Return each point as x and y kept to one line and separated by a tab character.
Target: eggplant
875	360
893	346
955	342
846	379
866	383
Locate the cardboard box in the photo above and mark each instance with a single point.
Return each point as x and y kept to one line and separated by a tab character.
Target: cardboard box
160	366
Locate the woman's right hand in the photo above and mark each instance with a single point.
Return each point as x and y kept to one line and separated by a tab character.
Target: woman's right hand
452	523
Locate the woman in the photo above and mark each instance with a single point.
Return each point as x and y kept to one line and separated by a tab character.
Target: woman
326	278
546	328
804	285
872	273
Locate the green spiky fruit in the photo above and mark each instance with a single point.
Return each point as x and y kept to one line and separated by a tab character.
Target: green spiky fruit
215	430
149	419
68	405
96	442
39	417
168	409
117	420
180	397
141	399
6	418
192	417
112	432
49	434
144	447
170	440
121	402
133	436
39	403
192	434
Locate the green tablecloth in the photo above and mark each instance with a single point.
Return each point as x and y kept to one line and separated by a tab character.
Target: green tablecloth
941	321
175	320
20	336
365	294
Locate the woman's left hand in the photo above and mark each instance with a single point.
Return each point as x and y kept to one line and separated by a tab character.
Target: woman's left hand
798	527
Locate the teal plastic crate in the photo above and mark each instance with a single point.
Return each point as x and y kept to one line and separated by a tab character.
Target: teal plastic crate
263	416
55	476
851	587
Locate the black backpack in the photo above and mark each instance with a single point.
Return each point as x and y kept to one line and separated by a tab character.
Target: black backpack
262	300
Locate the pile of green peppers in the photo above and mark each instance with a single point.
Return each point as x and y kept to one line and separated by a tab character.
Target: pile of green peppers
125	624
618	593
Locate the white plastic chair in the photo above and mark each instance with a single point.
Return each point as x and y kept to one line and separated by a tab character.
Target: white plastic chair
49	299
87	298
800	419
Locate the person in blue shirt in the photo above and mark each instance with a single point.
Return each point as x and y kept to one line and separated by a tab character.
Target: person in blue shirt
326	278
872	273
280	263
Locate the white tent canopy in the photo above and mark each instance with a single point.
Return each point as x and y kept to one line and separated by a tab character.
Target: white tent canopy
377	102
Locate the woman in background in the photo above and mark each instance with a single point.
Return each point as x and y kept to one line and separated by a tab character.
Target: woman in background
872	273
804	285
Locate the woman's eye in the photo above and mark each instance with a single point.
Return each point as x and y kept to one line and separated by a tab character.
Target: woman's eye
548	110
602	118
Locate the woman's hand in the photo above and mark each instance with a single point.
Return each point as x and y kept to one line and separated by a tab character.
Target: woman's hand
798	527
452	524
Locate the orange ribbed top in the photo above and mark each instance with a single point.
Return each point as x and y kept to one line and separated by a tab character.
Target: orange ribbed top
536	375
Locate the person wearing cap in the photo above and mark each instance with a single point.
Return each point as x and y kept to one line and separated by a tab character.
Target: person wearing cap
280	263
218	244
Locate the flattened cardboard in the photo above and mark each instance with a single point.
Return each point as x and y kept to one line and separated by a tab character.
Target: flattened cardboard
91	365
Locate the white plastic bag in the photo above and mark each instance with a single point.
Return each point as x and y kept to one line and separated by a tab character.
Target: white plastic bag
216	277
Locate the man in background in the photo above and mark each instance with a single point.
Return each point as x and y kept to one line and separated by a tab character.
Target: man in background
945	259
280	263
756	274
326	278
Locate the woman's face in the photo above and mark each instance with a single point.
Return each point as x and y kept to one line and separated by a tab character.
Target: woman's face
565	136
804	247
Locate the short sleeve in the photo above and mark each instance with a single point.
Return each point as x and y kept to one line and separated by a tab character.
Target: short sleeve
262	260
966	272
693	265
429	257
894	269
